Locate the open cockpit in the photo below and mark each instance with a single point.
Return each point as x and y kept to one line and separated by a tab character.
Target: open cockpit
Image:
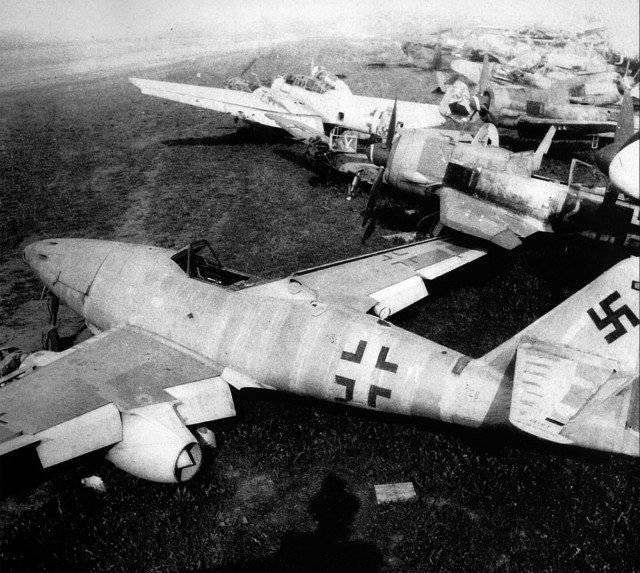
199	261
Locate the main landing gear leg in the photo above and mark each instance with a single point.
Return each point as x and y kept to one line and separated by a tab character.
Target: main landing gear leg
353	187
51	340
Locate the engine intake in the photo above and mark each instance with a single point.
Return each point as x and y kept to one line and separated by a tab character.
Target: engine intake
156	445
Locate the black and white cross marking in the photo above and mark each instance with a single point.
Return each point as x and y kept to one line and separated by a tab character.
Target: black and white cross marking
349	383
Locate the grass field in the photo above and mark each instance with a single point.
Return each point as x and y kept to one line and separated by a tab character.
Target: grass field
92	157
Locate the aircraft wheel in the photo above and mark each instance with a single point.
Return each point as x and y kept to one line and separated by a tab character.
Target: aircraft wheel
427	226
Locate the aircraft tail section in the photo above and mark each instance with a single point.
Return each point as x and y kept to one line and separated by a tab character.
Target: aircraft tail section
626	125
575	370
624	131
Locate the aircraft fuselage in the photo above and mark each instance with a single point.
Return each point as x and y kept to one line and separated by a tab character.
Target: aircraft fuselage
266	336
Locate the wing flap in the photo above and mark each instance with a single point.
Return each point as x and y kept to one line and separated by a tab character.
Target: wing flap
301	130
203	400
80	435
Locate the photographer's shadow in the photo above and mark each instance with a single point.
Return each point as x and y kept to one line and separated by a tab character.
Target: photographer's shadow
329	547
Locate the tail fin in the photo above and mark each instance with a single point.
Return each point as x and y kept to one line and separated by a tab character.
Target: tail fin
543	148
487	135
626	126
600	319
575	370
624	131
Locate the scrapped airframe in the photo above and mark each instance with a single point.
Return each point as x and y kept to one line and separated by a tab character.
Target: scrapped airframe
175	330
494	194
305	106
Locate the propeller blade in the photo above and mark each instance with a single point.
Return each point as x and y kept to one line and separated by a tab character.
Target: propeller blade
249	66
391	131
374	195
371	227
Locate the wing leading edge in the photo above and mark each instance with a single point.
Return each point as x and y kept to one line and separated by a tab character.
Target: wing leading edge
384	282
260	106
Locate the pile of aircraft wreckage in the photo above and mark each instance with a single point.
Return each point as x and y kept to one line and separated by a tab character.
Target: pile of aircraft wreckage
174	331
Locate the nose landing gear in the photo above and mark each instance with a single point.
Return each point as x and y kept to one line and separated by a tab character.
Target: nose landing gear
51	339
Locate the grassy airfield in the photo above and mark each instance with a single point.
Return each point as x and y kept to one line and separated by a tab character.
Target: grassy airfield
89	156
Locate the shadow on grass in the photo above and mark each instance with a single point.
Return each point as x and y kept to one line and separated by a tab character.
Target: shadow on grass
329	547
241	136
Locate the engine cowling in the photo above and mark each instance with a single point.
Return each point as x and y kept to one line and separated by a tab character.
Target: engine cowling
156	445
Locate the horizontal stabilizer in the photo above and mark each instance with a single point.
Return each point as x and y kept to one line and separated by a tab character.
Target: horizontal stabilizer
609	420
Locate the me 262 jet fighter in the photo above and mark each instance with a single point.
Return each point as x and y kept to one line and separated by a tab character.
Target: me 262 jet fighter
305	106
174	330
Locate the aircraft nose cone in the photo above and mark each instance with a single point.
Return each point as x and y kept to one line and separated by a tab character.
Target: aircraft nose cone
44	259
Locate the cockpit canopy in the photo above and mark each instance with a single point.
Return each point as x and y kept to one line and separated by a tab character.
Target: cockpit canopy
308	83
199	261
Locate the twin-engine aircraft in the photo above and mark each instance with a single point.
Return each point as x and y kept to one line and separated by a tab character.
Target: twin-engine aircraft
494	194
528	110
174	330
305	106
598	88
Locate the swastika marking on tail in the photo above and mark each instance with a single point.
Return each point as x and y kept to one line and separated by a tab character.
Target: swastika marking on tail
613	317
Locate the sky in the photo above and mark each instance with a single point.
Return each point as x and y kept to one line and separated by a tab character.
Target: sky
251	19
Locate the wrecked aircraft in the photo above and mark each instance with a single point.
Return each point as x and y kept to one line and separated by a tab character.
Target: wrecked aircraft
529	111
305	106
174	330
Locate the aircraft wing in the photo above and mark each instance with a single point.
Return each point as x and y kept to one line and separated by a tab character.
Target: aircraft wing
389	280
411	114
484	220
536	127
295	128
73	405
259	106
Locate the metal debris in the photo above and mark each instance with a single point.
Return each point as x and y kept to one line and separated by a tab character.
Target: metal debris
95	483
394	492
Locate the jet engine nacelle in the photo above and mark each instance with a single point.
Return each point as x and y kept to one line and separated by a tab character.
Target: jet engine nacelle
156	445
